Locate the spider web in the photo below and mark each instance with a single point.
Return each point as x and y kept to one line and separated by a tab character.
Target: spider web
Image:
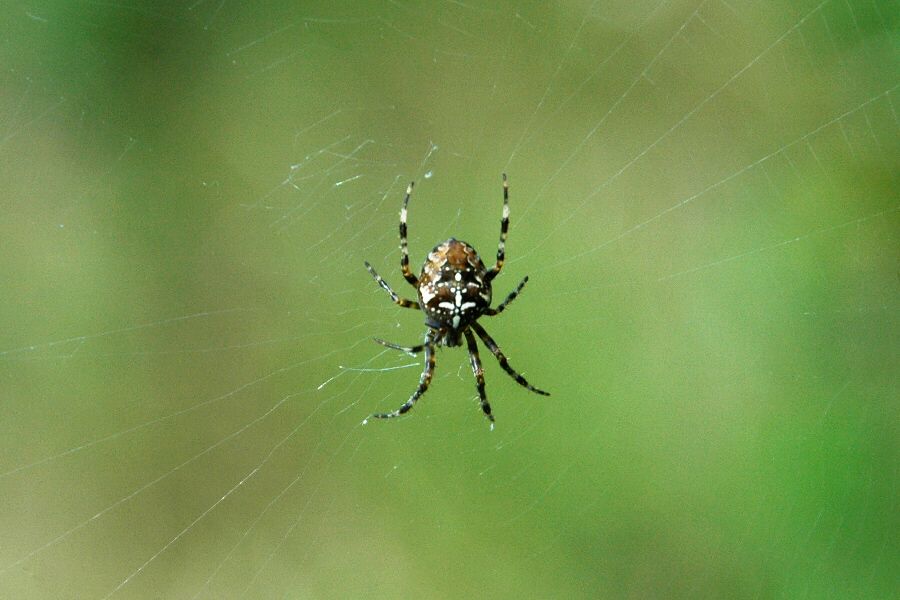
704	195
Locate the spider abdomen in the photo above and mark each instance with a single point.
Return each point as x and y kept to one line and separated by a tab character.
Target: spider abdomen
453	288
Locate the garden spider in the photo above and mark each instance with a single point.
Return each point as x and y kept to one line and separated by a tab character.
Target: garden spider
454	290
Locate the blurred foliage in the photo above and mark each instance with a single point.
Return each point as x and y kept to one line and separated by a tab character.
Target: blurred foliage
704	198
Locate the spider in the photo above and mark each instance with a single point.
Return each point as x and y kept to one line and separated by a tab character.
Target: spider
454	290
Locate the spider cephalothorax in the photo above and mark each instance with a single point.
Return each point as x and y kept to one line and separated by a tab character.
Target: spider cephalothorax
454	290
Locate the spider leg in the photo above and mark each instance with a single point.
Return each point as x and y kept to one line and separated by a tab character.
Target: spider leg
411	350
501	358
424	381
404	250
504	230
397	299
478	371
512	296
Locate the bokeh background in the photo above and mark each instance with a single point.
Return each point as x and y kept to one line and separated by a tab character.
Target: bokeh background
704	194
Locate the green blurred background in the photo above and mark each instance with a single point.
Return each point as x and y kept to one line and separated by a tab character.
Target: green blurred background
704	195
